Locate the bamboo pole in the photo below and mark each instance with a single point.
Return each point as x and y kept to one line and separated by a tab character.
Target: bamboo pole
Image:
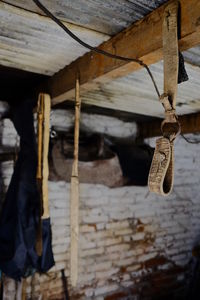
40	112
74	194
43	116
45	164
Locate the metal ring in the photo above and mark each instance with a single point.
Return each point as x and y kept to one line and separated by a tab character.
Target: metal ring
53	134
172	129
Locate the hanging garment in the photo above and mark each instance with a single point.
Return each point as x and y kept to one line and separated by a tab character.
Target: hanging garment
43	244
135	161
20	211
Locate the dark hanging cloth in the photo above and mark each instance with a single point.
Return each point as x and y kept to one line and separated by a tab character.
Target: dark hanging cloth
20	212
135	161
46	261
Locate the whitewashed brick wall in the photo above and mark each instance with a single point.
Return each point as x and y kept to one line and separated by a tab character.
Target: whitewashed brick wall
123	232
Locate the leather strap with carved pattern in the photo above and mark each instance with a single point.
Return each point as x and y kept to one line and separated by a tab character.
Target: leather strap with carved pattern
161	176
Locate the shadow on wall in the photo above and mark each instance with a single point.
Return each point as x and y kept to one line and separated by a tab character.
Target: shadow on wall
101	160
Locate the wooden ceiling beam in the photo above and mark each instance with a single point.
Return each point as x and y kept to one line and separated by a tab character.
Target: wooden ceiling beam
190	123
142	40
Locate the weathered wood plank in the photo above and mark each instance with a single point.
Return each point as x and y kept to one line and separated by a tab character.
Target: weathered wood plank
142	40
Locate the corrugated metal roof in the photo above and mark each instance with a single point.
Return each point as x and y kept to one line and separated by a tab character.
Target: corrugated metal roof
107	16
34	43
135	93
193	56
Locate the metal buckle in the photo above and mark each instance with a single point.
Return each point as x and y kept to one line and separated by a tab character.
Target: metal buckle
170	127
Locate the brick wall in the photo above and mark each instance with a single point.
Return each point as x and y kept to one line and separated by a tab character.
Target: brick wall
133	244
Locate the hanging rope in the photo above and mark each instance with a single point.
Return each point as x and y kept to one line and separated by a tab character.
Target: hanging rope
94	49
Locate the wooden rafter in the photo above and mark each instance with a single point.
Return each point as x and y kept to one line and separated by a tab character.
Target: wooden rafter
142	40
189	124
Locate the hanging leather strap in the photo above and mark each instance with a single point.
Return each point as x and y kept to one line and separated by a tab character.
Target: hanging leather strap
161	174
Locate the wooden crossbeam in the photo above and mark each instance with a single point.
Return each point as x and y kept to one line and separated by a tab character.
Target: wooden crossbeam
142	40
189	124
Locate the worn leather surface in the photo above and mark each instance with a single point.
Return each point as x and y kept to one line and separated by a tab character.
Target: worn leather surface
161	175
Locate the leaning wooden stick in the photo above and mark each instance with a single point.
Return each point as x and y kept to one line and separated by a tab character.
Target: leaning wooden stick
45	164
43	115
74	196
40	112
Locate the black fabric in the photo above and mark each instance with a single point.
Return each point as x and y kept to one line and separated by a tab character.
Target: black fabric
20	211
182	74
135	161
46	261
